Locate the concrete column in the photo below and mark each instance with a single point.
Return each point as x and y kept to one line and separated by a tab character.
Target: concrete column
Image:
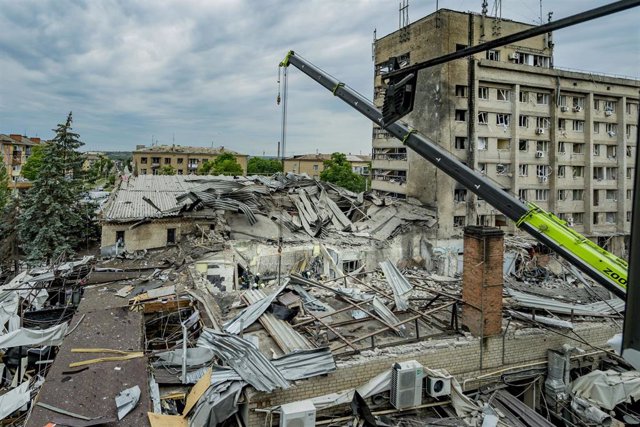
482	280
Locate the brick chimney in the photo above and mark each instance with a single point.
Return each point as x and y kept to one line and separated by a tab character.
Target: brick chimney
35	139
16	137
482	280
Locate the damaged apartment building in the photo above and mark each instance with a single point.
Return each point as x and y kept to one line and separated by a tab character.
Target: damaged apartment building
562	139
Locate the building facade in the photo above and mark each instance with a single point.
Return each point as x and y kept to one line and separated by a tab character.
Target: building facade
16	149
313	164
184	160
562	139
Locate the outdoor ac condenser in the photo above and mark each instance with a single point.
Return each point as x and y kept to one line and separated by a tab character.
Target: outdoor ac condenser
437	386
406	384
298	414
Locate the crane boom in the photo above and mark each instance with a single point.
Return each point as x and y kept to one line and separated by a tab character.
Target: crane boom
602	266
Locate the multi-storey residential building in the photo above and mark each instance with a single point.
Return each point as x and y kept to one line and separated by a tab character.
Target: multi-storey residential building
16	149
313	164
91	157
184	160
562	139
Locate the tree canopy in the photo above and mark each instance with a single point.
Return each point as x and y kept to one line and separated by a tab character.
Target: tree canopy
167	170
259	165
224	164
101	168
53	220
338	171
32	166
5	192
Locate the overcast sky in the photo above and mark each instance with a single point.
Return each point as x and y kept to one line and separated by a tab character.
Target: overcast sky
204	72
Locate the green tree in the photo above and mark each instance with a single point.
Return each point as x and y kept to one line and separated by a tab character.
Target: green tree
338	171
53	220
259	165
5	192
167	170
9	244
224	164
32	166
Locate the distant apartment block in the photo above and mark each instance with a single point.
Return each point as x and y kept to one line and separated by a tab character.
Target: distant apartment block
562	139
91	157
313	164
184	160
16	149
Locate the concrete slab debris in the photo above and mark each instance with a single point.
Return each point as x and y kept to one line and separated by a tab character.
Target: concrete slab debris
127	400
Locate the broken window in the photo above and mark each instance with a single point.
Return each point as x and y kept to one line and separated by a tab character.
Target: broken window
596	149
503	119
578	125
542	171
611	129
460	195
155	160
542	146
483	143
482	167
578	217
609	106
458	221
180	160
577	171
543	122
171	235
180	171
611	195
493	55
461	91
504	95
562	124
503	168
610	217
523	121
523	170
596	198
611	174
596	127
120	237
596	218
523	145
524	96
561	147
578	103
143	171
483	118
460	142
578	148
143	160
578	195
562	194
542	98
461	115
561	171
522	194
483	92
167	160
598	173
542	195
504	143
541	61
351	266
629	130
611	151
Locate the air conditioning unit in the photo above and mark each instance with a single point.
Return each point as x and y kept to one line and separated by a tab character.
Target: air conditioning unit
611	133
570	221
543	179
608	112
564	108
577	108
406	384
437	386
514	56
539	131
298	414
539	154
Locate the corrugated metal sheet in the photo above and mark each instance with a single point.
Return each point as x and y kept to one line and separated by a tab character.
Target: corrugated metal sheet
398	283
600	308
306	364
250	314
245	359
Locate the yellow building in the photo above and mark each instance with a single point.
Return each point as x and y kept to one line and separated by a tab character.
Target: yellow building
90	157
15	150
184	160
313	164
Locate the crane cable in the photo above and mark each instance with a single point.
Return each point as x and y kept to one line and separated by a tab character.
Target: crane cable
281	99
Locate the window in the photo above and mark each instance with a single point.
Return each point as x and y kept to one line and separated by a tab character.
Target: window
598	173
503	119
611	151
629	130
460	195
563	100
611	174
543	122
628	216
596	149
171	235
562	171
596	127
611	195
561	147
542	171
155	160
522	194
483	92
577	171
562	215
524	96
578	125
504	143
542	195
562	194
120	237
458	221
562	124
460	46
610	217
482	167
461	115
500	221
523	170
503	168
577	195
315	168
154	171
596	104
143	172
542	146
167	160
611	129
460	142
504	95
180	172
493	55
629	173
483	118
596	218
610	106
180	160
523	121
578	102
578	217
541	61
461	91
523	145
542	98
578	148
143	160
483	143
629	194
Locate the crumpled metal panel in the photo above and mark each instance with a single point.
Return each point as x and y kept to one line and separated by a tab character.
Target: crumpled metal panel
398	283
251	313
306	364
287	338
245	359
600	308
387	315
